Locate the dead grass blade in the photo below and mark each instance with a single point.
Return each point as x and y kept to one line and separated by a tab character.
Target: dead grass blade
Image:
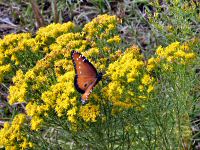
38	15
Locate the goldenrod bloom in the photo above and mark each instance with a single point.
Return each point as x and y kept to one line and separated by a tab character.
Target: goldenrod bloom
89	113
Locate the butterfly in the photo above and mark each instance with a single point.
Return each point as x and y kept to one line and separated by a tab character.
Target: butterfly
86	76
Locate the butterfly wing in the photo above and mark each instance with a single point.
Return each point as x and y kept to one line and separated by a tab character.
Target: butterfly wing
81	83
86	73
82	66
84	98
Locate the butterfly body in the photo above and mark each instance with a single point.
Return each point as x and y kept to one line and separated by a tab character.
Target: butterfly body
86	75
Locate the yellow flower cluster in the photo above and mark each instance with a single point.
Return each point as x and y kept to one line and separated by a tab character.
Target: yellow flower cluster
17	48
115	40
147	82
152	63
129	83
18	92
35	111
14	50
4	70
19	45
36	122
70	41
12	136
89	113
10	42
127	67
59	96
23	51
47	35
102	27
175	53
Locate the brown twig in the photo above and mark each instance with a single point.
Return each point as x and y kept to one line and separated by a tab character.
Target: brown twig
38	15
55	10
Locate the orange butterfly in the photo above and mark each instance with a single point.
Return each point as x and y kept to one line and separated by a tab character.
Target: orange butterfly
86	75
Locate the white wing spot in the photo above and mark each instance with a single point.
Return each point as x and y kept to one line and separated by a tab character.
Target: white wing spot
76	58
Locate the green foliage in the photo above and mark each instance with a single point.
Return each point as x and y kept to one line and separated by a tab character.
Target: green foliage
174	21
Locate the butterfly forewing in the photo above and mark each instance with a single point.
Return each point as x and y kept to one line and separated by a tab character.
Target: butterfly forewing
82	66
86	73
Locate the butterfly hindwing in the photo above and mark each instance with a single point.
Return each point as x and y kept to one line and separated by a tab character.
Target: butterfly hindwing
85	96
82	83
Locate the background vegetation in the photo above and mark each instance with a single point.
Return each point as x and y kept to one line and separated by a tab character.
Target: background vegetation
148	52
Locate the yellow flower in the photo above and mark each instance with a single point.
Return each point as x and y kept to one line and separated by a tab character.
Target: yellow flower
92	51
62	104
64	39
190	56
170	59
30	75
3	70
127	65
19	119
114	90
33	109
1	57
51	32
142	97
175	53
141	88
125	74
131	77
106	49
167	67
58	96
89	113
36	123
151	64
72	114
185	47
100	27
18	93
150	88
179	53
147	79
26	144
121	104
170	28
49	98
116	40
12	135
160	52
